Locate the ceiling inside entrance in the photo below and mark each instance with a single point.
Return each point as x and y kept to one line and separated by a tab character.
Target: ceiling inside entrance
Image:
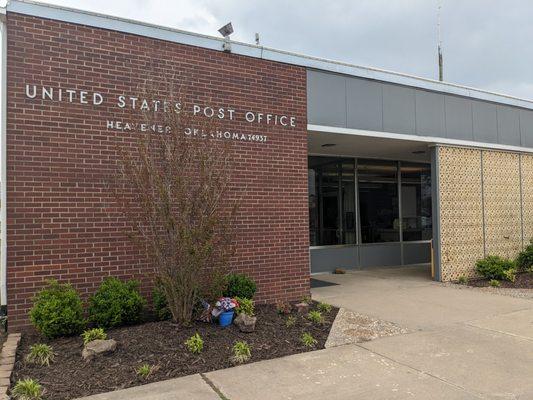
339	144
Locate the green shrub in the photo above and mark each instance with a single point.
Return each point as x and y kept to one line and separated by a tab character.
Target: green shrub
324	307
291	321
93	334
524	261
316	317
195	344
116	303
57	311
27	389
40	354
160	304
494	267
510	274
307	299
462	280
246	306
239	285
495	283
308	340
241	352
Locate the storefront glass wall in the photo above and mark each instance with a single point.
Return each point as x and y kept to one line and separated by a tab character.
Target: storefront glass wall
359	201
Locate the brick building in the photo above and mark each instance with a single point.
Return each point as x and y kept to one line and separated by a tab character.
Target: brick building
343	166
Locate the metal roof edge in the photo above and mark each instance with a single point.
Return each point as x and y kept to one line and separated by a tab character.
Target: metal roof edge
140	28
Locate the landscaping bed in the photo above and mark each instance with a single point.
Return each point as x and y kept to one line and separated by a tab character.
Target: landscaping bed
522	281
162	344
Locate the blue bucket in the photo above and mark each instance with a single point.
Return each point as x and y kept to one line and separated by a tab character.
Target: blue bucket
226	318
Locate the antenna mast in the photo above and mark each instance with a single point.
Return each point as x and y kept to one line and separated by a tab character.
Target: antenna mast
439	42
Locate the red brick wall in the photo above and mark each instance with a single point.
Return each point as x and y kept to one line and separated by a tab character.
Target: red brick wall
61	219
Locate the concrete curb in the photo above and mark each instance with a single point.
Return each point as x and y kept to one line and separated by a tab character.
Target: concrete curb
7	362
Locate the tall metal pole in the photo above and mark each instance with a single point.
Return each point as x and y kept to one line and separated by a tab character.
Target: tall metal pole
439	43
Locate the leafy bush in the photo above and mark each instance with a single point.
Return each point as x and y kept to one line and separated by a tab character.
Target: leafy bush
239	285
116	303
160	304
316	317
510	274
145	370
57	311
462	280
283	307
40	354
308	340
494	267
324	307
27	389
241	352
195	344
246	306
495	283
291	321
93	334
524	261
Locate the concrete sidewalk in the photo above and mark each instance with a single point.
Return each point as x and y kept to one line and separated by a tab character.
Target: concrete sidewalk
464	344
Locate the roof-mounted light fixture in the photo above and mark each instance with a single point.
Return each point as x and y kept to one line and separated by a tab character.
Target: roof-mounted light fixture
225	31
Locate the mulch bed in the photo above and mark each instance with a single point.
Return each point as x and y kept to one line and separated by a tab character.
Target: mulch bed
162	343
522	281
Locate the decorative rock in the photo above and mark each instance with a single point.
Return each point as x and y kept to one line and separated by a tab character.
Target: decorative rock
245	322
98	347
303	308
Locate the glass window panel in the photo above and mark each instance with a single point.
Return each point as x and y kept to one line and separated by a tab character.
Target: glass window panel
378	201
331	201
416	201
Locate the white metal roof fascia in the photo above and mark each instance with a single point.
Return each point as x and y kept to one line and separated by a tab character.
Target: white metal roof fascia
425	139
194	39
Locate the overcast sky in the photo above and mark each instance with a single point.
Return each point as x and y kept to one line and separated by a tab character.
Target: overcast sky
487	44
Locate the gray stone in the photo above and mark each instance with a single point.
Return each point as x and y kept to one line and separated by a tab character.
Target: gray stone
245	322
98	347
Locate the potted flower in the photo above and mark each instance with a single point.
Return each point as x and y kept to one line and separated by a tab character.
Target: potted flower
226	307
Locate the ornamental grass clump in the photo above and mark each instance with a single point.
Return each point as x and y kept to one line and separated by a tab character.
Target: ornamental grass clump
324	307
145	370
315	317
241	352
308	340
57	311
40	354
291	321
195	344
93	334
27	389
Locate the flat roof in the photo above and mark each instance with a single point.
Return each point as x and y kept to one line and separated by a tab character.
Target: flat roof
103	21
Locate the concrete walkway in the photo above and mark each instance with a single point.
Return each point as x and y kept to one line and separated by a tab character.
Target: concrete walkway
464	344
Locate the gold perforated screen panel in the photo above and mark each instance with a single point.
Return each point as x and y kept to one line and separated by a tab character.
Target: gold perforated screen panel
460	211
502	203
527	196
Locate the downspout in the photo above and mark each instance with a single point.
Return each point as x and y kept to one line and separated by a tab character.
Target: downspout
3	167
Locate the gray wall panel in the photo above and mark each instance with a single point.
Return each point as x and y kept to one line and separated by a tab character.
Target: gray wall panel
326	259
364	104
526	128
430	114
508	125
416	253
326	94
485	124
398	109
458	118
358	103
380	255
